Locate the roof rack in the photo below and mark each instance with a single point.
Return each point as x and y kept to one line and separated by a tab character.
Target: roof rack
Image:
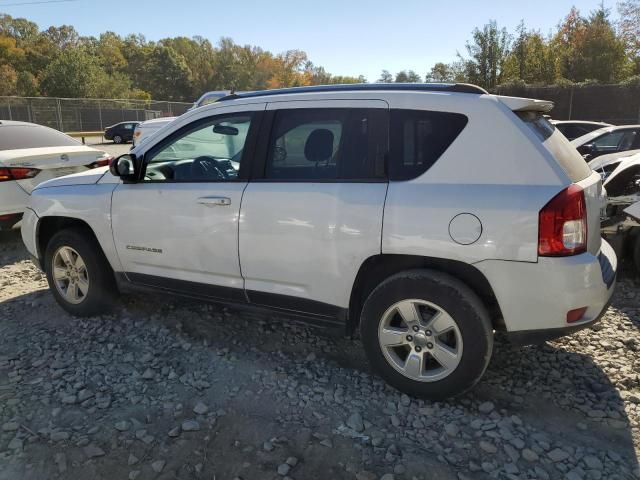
359	87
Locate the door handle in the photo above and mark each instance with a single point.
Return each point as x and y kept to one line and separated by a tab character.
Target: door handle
214	201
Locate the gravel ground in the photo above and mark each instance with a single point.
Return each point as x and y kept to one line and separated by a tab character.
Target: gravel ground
175	389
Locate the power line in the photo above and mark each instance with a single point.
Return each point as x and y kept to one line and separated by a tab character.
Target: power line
35	3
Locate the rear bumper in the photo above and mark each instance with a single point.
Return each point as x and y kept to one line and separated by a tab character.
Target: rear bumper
535	297
13	198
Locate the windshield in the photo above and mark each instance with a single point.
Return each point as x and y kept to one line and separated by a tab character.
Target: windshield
584	139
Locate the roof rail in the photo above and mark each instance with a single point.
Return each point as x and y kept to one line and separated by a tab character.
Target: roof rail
359	87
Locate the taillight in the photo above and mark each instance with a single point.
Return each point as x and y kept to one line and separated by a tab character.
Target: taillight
103	162
562	229
17	173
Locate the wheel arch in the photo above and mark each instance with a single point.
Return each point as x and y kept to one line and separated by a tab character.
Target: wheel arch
48	226
377	268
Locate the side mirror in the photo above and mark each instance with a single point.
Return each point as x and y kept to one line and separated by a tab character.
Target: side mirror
587	149
225	130
124	166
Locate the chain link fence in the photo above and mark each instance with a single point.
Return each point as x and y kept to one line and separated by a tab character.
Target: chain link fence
85	114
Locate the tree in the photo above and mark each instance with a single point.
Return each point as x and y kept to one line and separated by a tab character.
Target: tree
408	77
73	74
629	26
487	51
8	80
531	59
385	77
27	84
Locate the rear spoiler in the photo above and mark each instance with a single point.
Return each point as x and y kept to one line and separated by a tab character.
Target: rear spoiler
518	104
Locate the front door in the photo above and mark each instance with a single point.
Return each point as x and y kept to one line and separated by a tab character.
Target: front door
178	228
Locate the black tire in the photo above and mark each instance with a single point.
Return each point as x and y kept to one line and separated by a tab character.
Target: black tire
462	305
103	291
117	139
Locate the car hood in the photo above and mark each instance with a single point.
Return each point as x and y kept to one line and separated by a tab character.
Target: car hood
88	177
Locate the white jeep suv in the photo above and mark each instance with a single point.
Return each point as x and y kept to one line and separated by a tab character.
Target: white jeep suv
425	216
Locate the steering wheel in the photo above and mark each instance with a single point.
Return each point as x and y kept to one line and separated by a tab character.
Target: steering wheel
209	168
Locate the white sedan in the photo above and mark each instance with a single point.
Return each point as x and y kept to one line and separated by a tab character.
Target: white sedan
31	154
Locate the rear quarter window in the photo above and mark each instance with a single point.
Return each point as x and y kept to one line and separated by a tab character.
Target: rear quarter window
564	152
418	138
14	137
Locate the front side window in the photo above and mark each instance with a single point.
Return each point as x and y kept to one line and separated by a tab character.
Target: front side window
128	126
209	151
419	138
327	144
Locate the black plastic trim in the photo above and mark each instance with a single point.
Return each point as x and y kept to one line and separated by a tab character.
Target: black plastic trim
366	87
323	312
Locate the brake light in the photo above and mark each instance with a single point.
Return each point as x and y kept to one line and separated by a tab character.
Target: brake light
20	173
562	229
103	162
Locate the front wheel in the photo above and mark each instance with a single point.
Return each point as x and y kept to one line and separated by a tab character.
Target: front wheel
78	273
427	334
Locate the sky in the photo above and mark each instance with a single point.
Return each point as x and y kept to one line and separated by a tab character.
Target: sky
347	37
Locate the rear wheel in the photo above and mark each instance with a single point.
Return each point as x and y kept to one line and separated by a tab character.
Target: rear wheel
117	139
427	334
78	273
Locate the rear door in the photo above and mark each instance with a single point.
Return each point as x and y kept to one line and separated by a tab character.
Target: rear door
312	212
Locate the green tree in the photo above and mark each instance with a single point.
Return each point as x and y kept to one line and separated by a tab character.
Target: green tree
487	52
385	77
73	74
408	77
27	84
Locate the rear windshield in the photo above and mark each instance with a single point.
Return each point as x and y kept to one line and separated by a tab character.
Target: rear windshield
14	137
565	154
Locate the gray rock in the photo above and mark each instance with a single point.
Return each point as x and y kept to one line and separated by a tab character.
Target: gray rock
148	374
122	426
355	422
267	446
84	394
486	407
451	429
293	461
134	474
60	460
92	451
529	455
573	475
158	466
283	469
558	455
16	444
59	436
10	427
190	426
175	431
132	459
388	476
488	446
593	462
200	408
69	399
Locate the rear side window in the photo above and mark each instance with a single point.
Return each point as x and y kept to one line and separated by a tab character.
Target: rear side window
13	137
564	152
327	144
419	138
